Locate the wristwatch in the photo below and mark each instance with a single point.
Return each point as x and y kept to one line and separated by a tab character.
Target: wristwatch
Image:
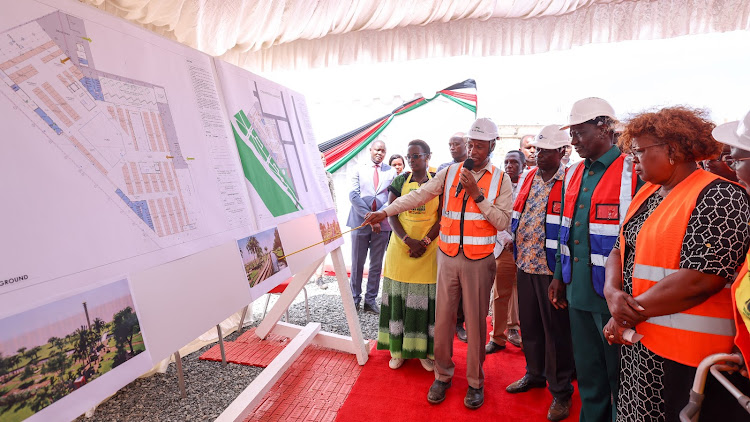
479	199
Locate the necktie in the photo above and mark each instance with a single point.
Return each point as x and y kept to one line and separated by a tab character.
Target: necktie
375	183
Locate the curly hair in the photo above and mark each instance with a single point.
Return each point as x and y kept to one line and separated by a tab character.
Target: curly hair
687	131
420	143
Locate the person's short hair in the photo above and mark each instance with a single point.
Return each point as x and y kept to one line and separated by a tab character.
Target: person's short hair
394	157
607	121
422	144
520	154
686	130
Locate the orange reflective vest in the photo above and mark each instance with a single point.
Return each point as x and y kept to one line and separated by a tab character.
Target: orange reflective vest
688	336
742	339
463	225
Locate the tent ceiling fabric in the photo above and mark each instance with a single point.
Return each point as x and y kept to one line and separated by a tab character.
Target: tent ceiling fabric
267	35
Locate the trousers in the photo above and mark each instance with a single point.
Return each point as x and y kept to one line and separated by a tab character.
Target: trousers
504	297
364	240
470	281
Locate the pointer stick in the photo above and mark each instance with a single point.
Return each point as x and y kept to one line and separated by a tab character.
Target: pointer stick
322	241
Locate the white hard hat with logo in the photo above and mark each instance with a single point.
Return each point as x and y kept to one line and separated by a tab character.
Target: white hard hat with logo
483	129
735	134
587	109
551	137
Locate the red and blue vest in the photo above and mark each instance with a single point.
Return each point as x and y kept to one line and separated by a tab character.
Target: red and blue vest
609	204
552	221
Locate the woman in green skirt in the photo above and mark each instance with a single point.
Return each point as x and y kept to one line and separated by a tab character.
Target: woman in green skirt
407	317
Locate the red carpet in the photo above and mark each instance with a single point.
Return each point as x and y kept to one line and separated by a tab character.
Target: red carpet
381	393
248	349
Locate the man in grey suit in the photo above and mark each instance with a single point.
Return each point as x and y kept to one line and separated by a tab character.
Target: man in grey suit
369	193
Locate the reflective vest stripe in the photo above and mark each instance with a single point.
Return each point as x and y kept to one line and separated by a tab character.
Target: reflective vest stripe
449	176
604	229
627	190
651	273
468	240
598	260
696	323
552	219
494	185
565	222
550	243
565	250
515	215
468	216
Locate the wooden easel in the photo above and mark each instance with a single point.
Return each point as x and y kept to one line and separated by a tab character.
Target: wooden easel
241	407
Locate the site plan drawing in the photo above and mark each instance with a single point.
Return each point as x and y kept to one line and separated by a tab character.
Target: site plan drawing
116	145
276	145
122	127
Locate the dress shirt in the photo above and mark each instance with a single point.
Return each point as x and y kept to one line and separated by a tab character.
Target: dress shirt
532	226
498	213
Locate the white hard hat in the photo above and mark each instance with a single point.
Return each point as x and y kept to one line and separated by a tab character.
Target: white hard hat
551	137
735	134
483	129
587	109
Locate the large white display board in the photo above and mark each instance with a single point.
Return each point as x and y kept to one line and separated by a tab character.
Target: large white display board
117	145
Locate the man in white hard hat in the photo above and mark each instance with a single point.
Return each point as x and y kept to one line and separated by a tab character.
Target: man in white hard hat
737	136
476	204
535	226
457	146
598	192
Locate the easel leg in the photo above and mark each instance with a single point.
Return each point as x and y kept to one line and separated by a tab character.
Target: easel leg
351	313
241	325
285	300
221	345
180	375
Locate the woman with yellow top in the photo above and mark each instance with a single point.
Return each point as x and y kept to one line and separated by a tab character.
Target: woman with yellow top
407	317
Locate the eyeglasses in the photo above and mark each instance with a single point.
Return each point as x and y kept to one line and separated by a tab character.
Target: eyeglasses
638	152
414	156
732	162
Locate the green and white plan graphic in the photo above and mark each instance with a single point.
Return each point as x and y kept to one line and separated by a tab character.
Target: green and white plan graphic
264	163
277	149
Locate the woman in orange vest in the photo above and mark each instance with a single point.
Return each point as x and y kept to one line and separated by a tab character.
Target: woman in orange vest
682	240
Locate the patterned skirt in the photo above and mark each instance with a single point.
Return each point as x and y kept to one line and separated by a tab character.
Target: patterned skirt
407	319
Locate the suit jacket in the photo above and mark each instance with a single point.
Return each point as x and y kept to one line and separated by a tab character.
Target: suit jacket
363	192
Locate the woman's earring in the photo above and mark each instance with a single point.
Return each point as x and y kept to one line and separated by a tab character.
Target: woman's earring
671	161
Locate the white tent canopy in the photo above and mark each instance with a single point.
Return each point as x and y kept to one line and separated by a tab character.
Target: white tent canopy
270	35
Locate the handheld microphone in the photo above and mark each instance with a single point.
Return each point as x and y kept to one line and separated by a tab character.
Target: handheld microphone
468	165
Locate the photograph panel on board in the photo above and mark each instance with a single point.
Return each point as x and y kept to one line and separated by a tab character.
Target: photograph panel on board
262	255
330	229
49	352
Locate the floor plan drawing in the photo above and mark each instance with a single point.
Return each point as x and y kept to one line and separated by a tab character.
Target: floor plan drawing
120	128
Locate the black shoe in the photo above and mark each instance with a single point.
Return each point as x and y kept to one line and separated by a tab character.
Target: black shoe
461	333
437	391
493	347
525	384
372	308
357	307
474	398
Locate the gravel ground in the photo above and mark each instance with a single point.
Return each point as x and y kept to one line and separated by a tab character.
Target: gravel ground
211	388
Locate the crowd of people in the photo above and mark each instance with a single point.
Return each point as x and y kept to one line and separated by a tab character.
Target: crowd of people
622	271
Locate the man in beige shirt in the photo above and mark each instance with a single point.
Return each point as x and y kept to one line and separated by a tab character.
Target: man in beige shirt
466	264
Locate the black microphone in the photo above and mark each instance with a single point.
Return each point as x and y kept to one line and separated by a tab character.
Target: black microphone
468	165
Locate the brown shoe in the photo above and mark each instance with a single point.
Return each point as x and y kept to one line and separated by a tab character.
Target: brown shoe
559	409
525	384
514	338
437	391
493	347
